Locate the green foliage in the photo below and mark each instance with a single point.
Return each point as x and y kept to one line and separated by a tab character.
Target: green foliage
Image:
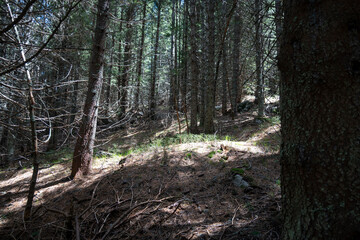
188	155
278	182
211	154
239	171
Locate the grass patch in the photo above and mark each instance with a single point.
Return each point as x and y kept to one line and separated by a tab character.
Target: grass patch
165	142
57	156
239	171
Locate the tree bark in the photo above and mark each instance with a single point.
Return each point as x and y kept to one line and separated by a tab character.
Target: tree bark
194	68
152	102
83	153
172	97
259	93
236	62
320	112
140	58
130	13
210	78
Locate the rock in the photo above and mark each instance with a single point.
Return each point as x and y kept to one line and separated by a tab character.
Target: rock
238	181
245	106
272	109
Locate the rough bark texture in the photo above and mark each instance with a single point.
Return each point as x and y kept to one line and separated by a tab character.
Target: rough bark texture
210	78
235	59
152	102
83	153
130	14
320	112
203	70
194	68
141	52
259	94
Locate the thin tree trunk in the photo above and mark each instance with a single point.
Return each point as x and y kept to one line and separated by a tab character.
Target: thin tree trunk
184	79
235	59
127	59
140	58
83	153
152	102
34	140
194	68
120	59
172	68
210	81
259	59
203	70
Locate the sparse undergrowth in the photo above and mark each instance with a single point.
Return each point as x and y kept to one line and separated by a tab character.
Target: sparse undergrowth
170	186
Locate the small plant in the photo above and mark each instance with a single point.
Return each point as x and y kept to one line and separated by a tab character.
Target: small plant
278	182
188	155
211	154
228	138
239	171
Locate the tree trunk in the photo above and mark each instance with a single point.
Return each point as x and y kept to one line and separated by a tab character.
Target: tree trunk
140	58
210	78
203	70
130	13
236	62
320	112
224	82
259	93
83	153
172	60
119	58
194	67
152	102
184	61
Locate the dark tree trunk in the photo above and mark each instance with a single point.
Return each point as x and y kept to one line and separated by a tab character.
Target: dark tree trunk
224	82
184	61
274	81
259	93
320	112
140	58
210	78
203	70
83	153
236	62
130	13
194	67
172	60
120	58
152	102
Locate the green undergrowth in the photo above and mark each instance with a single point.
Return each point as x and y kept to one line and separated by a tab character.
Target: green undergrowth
116	149
57	156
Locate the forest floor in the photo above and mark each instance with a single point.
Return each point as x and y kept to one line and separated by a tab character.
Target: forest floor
150	182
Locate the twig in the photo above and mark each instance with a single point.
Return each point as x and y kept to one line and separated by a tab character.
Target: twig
56	211
120	220
77	227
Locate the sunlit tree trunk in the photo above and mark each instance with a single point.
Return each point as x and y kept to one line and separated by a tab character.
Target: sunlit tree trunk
83	153
320	112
